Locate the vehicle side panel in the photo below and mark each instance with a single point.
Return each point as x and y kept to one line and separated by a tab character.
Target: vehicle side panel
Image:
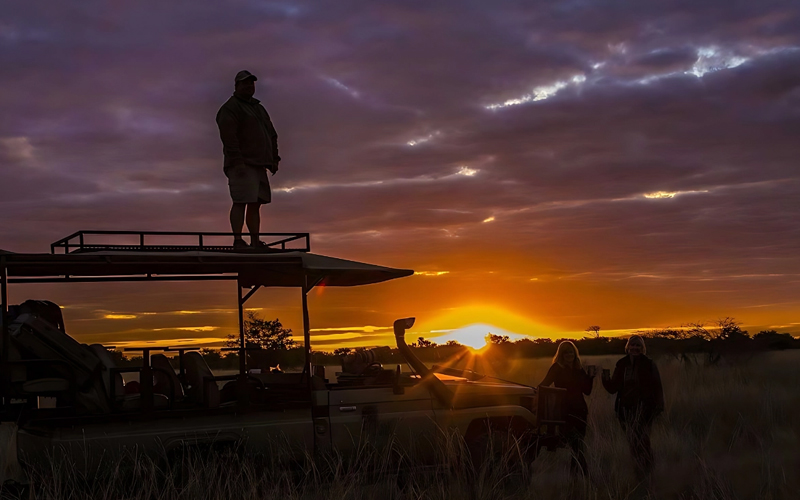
378	416
287	432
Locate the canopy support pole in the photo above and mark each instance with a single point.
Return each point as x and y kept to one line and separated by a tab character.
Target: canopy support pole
242	346
242	396
242	352
307	287
4	376
306	331
249	294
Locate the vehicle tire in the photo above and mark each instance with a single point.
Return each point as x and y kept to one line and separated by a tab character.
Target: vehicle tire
493	447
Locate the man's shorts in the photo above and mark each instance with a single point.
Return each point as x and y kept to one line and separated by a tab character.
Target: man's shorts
248	184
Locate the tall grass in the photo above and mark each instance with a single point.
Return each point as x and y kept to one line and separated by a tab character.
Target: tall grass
729	431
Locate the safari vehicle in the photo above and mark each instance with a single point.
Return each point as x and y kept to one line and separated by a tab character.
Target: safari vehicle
94	414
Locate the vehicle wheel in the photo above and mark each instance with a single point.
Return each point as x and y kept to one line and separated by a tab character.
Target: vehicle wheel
492	447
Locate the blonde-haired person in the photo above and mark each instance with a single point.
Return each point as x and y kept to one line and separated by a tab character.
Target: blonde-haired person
567	373
640	398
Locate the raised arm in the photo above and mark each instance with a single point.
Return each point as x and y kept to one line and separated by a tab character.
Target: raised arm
614	384
228	131
587	382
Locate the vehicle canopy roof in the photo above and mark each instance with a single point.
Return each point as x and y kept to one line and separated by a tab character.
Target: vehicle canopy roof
279	269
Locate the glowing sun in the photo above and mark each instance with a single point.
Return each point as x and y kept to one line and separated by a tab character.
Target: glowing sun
475	335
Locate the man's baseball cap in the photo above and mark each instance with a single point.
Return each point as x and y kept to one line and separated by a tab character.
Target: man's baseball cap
244	75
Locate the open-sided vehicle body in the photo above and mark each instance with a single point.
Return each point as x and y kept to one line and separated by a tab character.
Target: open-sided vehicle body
95	415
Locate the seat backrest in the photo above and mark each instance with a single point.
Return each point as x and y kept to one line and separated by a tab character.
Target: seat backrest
49	311
43	340
165	379
109	378
197	371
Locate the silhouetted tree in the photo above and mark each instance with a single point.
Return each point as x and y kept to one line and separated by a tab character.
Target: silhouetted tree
594	330
665	333
218	360
768	333
267	334
771	339
496	339
697	330
453	343
212	356
730	329
422	342
342	351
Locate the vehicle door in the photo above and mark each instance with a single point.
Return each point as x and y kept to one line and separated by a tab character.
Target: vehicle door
381	416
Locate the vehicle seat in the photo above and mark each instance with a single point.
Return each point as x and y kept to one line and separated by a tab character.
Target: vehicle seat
109	379
198	390
165	383
36	338
40	339
229	392
48	311
122	398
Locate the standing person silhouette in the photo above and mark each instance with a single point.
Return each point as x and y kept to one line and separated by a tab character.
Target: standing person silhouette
250	147
567	373
640	398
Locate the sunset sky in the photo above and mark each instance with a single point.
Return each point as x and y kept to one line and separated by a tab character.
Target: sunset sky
543	166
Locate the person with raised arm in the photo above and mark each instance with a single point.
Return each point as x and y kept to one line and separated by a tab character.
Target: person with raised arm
640	399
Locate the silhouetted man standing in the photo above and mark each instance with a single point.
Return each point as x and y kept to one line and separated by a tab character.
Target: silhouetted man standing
250	147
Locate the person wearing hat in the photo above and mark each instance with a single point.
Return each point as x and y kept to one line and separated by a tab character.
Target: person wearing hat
250	148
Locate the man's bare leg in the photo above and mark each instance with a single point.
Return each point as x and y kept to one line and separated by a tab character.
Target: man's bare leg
237	220
254	221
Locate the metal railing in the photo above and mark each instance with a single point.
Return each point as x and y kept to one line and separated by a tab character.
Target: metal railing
80	242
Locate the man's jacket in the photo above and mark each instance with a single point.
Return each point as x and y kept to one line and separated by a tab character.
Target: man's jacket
247	134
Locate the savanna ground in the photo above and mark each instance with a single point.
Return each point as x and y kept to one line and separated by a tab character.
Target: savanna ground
729	431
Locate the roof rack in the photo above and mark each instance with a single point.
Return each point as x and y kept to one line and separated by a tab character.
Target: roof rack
174	241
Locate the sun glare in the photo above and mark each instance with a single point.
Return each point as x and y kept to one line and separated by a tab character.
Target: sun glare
469	325
475	335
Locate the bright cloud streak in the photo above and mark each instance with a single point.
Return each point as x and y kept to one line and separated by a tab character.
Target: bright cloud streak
540	93
661	195
463	170
363	329
422	140
711	59
120	316
469	172
341	86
